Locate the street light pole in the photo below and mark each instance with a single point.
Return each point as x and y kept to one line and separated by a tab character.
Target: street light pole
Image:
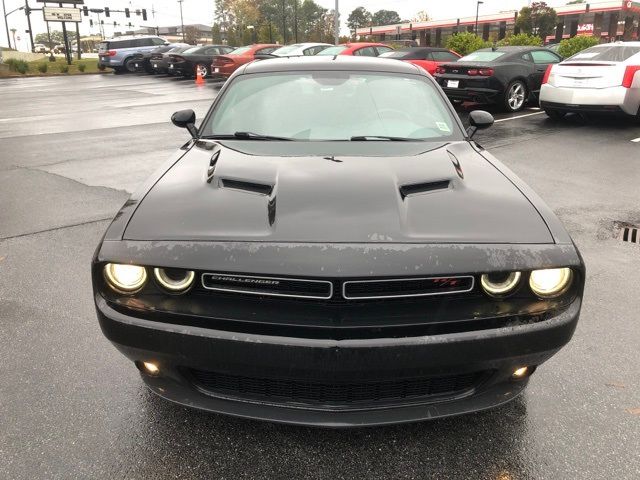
336	24
6	24
477	12
181	20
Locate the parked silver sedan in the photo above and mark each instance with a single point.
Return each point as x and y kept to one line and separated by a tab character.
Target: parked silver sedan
300	49
604	78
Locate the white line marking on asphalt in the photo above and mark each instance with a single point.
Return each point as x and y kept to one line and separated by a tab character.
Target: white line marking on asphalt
636	140
519	116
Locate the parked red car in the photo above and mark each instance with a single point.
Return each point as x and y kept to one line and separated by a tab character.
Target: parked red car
224	65
428	58
366	49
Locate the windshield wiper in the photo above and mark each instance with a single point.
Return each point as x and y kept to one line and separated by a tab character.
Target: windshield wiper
246	136
364	138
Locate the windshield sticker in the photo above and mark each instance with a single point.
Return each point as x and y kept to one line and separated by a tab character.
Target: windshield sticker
443	127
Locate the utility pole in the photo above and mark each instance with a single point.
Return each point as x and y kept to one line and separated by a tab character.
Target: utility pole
181	20
284	24
295	19
336	24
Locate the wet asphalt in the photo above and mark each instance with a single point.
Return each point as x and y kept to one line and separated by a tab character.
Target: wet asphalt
71	150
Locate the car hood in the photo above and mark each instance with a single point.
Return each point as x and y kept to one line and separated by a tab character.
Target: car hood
449	194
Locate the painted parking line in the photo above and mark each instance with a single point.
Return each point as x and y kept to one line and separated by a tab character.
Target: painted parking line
519	116
636	140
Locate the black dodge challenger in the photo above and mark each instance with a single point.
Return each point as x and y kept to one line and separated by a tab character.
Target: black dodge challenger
506	76
332	248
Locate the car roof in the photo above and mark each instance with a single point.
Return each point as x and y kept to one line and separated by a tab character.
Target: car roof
129	37
334	63
511	49
362	44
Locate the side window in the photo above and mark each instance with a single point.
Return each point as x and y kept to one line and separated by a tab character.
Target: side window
142	42
310	51
444	57
211	51
540	56
366	52
266	50
158	41
526	57
382	50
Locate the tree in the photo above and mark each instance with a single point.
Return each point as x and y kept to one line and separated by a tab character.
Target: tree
538	19
466	43
359	18
575	2
56	38
310	17
191	35
570	46
385	17
421	16
523	39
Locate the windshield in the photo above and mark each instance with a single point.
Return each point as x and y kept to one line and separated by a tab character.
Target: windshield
240	50
192	50
336	50
333	106
481	56
612	53
287	49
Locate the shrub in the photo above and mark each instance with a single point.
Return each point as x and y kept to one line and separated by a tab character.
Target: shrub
465	43
43	67
571	46
16	65
82	67
64	68
521	39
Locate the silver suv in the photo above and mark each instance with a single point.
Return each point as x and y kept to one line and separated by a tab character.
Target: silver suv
118	53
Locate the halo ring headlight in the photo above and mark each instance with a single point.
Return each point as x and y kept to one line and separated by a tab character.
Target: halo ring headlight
172	284
501	286
125	278
550	282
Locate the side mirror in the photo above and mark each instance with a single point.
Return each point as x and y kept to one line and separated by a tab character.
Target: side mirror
186	119
479	120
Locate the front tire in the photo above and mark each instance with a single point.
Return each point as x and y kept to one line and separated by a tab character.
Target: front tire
130	65
515	96
555	114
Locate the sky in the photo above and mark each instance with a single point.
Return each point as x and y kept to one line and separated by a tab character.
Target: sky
201	11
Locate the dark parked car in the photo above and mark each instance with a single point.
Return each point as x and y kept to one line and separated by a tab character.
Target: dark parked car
142	61
324	251
159	62
428	58
195	59
506	76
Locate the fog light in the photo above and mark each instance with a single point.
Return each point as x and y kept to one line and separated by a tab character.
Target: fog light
150	368
520	372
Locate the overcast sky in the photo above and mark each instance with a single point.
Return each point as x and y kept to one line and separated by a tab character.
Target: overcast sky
201	11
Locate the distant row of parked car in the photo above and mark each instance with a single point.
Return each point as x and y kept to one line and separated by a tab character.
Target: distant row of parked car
600	78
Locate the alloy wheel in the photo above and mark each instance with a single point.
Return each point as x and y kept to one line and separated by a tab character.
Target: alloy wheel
516	96
201	70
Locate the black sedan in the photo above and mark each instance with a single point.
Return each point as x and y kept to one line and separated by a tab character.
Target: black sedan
143	61
195	60
325	252
159	62
506	76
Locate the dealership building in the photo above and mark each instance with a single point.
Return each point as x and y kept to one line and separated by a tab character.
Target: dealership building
610	21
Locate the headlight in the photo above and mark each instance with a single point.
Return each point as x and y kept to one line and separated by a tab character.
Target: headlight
499	284
173	279
550	282
125	278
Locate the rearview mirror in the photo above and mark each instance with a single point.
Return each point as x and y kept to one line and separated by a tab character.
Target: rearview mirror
186	119
479	120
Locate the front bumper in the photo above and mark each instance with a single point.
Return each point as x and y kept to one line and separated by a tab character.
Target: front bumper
478	95
613	99
178	348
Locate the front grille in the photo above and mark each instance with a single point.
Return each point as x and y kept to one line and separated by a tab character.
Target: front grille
406	287
335	394
271	286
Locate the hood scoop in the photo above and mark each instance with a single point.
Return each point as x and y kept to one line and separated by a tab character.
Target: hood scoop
260	188
426	187
212	164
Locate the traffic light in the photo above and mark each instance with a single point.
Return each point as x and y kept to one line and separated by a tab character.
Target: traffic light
144	14
106	12
85	11
91	22
126	12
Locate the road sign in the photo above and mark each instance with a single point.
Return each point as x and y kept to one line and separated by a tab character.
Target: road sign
55	14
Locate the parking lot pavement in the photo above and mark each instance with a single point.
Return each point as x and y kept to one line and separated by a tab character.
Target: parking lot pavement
73	407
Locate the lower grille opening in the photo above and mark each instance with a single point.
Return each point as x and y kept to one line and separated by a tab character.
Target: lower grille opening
318	394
